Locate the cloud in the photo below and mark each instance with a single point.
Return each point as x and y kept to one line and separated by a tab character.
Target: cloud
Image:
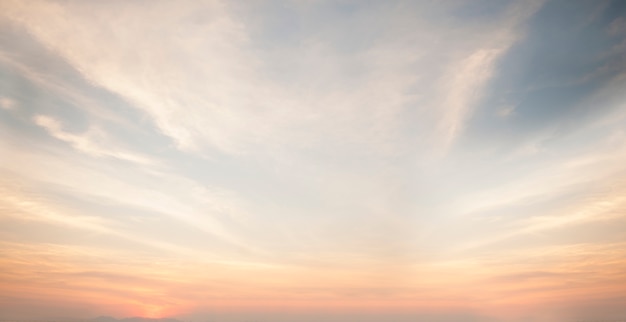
45	71
134	188
506	111
18	203
7	103
206	79
94	142
334	164
463	87
603	202
216	88
202	89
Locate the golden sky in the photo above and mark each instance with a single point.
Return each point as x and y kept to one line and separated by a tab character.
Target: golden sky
313	160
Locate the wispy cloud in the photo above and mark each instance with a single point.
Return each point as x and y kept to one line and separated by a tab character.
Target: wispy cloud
140	189
93	142
463	90
223	101
414	157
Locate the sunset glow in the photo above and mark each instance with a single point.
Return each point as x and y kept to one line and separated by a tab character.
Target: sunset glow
313	161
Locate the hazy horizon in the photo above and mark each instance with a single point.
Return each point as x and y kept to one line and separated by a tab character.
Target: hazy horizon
320	161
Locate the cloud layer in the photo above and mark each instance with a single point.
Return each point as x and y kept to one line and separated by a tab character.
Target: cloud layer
313	160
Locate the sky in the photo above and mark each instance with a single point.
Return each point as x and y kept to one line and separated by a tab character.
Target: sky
313	161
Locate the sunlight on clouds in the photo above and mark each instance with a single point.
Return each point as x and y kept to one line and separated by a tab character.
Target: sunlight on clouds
440	161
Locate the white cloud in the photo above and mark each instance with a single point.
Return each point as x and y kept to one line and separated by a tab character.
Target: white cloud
188	71
311	150
57	84
207	84
462	88
94	142
594	177
17	202
336	115
335	121
215	212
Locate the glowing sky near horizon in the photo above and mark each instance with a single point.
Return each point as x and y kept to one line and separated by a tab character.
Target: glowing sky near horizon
313	160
